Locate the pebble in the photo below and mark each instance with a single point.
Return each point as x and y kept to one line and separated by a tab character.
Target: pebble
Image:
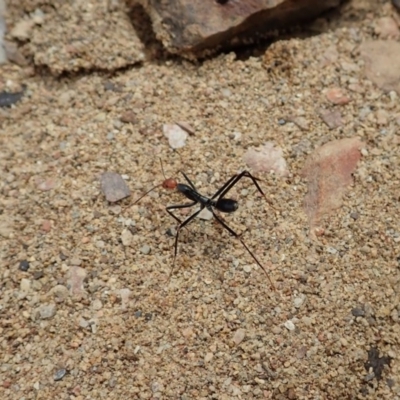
126	237
24	265
60	292
247	268
125	294
25	285
354	215
60	374
298	301
205	214
289	325
145	249
38	275
47	311
332	118
337	96
97	304
208	357
114	187
176	135
239	336
331	250
83	323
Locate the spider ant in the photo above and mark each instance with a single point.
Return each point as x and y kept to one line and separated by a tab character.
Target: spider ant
217	201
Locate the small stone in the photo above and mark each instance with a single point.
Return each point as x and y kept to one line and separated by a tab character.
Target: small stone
301	122
114	187
97	304
75	280
25	285
126	237
332	118
129	117
46	226
298	301
60	374
60	293
47	311
38	275
301	352
208	357
354	215
145	249
187	332
205	214
289	325
247	268
337	96
137	314
46	185
75	261
83	323
24	265
176	135
239	336
125	294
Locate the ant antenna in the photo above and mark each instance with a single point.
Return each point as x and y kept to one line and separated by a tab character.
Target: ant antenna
168	183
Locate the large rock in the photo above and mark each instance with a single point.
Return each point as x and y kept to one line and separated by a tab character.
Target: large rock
193	28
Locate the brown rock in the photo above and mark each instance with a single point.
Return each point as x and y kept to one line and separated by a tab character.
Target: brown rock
190	28
332	118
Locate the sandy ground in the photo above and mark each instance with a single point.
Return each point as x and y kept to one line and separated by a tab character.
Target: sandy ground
216	330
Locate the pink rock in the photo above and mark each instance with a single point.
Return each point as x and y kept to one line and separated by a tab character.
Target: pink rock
337	96
266	158
75	281
328	171
46	226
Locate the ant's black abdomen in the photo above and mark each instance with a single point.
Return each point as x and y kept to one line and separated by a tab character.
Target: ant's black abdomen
226	205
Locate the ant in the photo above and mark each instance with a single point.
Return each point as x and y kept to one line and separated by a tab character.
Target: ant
216	202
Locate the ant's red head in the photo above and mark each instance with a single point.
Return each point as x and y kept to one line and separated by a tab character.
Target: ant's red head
169	183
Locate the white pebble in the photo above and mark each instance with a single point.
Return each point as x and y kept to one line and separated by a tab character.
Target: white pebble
239	336
145	249
298	301
176	135
126	237
247	268
25	285
289	325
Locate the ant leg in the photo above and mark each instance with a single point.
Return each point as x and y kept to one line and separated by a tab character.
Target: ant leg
221	192
176	207
181	225
189	181
233	233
